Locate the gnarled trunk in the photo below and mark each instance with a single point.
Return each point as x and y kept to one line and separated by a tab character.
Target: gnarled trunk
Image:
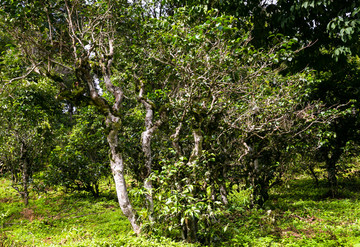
117	168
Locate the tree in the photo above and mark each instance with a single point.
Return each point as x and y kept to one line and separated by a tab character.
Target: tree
80	159
330	30
210	99
73	43
334	27
221	98
28	113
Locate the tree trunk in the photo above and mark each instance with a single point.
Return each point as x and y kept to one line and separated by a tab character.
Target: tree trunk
223	193
191	223
311	169
259	182
331	174
191	229
146	137
146	146
25	174
117	167
222	187
331	171
25	181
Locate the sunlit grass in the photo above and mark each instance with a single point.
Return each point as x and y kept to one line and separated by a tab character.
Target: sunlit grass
301	214
297	214
67	219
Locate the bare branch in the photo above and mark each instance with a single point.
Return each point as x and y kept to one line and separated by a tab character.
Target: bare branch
20	77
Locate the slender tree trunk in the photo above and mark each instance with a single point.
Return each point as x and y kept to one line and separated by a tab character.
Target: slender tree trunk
146	137
175	139
331	174
222	188
191	222
24	174
311	169
197	150
117	167
146	146
25	181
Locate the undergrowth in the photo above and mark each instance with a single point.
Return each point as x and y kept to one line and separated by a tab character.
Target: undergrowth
300	214
62	219
297	214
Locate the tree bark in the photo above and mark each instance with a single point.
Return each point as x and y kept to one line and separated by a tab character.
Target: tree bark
197	150
146	148
191	222
146	137
117	167
331	171
223	193
311	169
25	174
25	181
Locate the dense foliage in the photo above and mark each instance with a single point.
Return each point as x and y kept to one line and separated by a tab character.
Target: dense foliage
183	102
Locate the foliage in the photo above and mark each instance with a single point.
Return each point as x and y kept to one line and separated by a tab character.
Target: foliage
226	109
72	44
28	117
192	98
79	161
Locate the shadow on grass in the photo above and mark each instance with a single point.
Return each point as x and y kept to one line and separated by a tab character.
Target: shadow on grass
306	189
301	214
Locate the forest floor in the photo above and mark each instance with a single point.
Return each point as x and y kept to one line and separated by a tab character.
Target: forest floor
297	214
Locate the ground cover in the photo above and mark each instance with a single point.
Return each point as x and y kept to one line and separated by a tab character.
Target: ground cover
63	219
298	214
301	214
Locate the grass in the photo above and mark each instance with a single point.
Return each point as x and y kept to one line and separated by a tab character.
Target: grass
297	214
61	219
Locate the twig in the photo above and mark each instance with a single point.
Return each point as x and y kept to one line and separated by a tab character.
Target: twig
20	77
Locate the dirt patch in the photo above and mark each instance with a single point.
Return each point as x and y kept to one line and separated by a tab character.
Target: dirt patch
108	206
289	232
300	233
308	219
28	214
47	240
6	200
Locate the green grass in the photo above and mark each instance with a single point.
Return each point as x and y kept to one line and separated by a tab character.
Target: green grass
300	214
60	219
297	214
